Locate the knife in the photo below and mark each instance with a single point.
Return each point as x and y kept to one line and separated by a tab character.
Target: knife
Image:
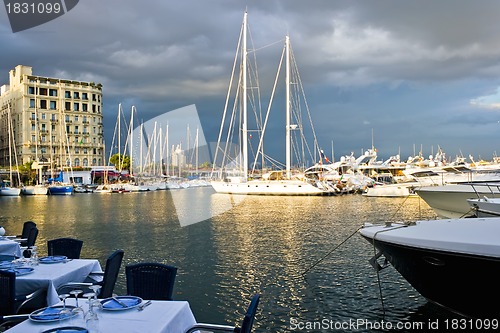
119	302
142	306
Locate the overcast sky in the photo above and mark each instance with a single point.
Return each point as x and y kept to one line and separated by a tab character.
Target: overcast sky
414	73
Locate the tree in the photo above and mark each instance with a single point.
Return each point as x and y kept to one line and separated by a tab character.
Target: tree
121	162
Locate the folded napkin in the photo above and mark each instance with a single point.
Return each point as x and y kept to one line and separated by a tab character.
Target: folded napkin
53	258
113	304
51	313
71	330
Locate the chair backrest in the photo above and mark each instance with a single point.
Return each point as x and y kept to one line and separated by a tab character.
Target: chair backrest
246	326
113	264
151	280
68	247
26	228
7	293
33	234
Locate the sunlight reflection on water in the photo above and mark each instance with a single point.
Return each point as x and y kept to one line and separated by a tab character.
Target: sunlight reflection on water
263	244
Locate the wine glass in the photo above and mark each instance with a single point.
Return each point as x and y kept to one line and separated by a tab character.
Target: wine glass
91	318
64	313
75	293
95	288
63	297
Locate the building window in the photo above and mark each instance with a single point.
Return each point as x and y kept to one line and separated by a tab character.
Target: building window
53	128
53	105
85	162
77	150
85	151
76	95
43	91
76	132
32	116
84	107
43	150
67	118
44	138
76	106
43	117
67	94
67	106
67	129
76	119
53	117
43	104
32	103
53	138
31	90
95	151
93	108
33	138
53	92
43	127
94	161
85	96
33	128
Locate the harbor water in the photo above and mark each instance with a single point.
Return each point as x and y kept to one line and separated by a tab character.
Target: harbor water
263	245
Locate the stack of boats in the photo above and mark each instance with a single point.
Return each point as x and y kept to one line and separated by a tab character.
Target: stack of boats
450	261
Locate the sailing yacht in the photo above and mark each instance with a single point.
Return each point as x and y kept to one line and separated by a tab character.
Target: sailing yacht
281	182
6	188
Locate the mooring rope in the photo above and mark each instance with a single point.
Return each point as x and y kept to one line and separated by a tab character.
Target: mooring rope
330	252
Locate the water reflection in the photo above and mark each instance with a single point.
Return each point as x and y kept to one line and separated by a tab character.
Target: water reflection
263	244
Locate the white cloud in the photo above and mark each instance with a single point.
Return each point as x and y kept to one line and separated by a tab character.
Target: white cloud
488	101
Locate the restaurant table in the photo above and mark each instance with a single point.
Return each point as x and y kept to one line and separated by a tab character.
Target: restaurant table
52	276
159	317
9	247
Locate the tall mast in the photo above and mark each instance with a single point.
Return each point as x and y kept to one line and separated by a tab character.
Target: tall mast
287	80
244	128
131	146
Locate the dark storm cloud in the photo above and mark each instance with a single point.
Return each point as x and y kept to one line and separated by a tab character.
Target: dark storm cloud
414	72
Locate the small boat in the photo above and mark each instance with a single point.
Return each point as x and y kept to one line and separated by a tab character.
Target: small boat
392	190
451	262
61	189
35	190
485	207
10	191
450	200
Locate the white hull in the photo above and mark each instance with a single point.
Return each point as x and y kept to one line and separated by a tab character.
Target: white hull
35	190
450	201
10	191
485	207
391	190
276	187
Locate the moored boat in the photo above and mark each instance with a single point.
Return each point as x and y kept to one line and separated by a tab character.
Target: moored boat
35	190
451	262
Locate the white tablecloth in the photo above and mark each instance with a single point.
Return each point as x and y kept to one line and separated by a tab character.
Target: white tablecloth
10	247
159	317
51	276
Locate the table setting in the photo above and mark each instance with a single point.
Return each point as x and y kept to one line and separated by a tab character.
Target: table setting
84	312
9	245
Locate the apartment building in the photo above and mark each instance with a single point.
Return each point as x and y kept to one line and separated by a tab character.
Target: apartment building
55	122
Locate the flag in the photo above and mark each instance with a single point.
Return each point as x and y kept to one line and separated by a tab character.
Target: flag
324	156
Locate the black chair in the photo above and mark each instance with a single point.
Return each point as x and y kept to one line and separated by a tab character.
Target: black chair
27	226
11	303
32	236
106	280
246	325
151	280
68	247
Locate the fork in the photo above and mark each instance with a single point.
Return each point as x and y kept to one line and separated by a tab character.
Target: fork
143	305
